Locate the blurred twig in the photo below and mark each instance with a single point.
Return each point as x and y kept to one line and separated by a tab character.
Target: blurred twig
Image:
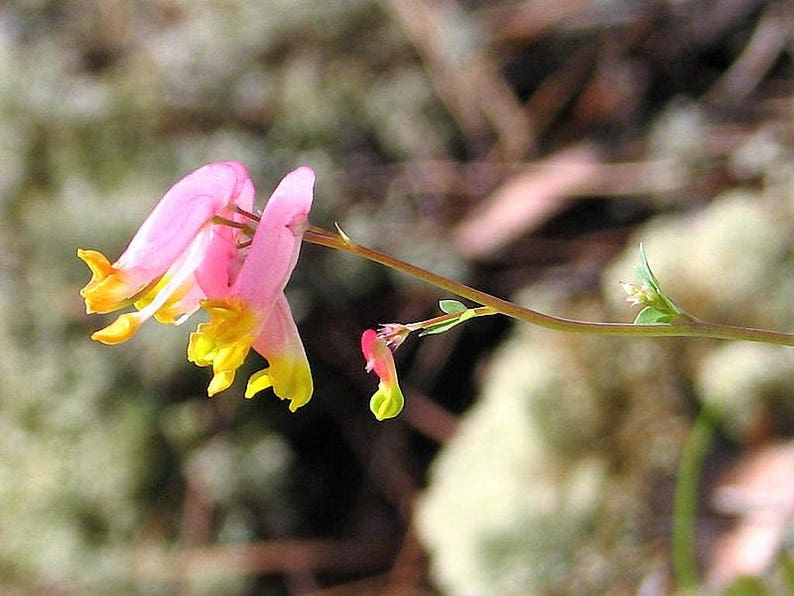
428	418
769	39
465	80
260	558
536	192
528	20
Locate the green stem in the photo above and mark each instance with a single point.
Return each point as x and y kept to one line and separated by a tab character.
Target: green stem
480	311
685	502
694	328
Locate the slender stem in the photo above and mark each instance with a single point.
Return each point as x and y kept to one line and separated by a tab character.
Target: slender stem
685	502
222	221
480	311
248	214
694	328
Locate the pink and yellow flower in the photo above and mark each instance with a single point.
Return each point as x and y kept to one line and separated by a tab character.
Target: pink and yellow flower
253	312
198	248
161	271
388	400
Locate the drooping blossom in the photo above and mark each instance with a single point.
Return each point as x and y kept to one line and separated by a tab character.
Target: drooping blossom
253	312
176	247
198	248
388	400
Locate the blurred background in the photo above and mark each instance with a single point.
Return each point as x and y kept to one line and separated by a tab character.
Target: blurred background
524	147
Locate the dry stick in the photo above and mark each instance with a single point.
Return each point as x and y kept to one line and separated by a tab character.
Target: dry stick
768	41
273	556
695	328
467	83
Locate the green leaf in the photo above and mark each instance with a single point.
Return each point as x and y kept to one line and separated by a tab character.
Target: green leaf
442	327
653	316
466	315
644	273
451	306
648	280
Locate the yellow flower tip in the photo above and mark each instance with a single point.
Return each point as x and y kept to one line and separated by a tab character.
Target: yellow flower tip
119	331
201	349
259	381
301	392
223	342
387	402
97	262
220	382
107	290
297	386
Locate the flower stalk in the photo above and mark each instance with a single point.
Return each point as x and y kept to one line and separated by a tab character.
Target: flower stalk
690	328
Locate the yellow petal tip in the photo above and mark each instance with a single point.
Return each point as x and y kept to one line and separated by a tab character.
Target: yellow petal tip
220	382
258	381
118	331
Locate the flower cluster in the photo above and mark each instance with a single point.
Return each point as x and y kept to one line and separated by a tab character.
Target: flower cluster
204	246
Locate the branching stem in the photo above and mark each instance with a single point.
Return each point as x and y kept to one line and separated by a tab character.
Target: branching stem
692	328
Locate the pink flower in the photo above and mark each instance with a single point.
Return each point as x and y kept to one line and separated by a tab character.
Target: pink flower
199	248
252	312
162	270
388	400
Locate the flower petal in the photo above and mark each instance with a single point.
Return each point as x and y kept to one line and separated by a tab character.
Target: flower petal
179	216
108	289
277	241
288	371
175	296
222	260
221	381
224	341
165	235
119	330
387	402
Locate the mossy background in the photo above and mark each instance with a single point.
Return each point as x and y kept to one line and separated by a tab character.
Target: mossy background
526	461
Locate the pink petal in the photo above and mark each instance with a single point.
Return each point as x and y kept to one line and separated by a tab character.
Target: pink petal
216	271
276	243
179	216
378	357
220	264
182	271
281	345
